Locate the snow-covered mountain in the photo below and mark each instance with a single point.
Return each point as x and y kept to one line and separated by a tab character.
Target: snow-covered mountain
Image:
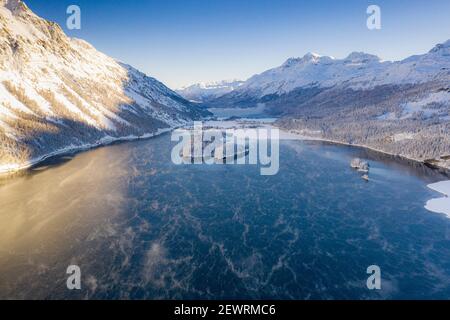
203	92
59	93
312	70
358	71
400	107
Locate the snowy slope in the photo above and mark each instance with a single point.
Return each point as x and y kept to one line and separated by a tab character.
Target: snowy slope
56	91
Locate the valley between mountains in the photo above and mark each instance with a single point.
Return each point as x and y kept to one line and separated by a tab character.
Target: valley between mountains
59	94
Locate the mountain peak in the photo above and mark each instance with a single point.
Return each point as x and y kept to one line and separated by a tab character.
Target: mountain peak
14	5
361	57
441	47
310	57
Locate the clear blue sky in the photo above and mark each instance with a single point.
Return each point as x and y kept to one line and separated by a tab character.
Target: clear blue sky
181	42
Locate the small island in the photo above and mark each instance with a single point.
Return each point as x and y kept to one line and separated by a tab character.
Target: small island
360	165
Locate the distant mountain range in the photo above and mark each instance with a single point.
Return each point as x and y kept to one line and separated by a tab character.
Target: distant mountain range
59	93
204	92
359	72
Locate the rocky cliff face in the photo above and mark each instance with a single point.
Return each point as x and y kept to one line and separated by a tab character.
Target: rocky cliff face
58	92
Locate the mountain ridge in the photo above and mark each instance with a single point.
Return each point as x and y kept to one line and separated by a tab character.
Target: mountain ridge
358	70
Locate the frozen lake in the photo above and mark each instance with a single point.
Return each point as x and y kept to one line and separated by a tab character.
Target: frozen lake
140	227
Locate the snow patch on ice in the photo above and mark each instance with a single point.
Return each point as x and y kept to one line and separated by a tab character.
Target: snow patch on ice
440	205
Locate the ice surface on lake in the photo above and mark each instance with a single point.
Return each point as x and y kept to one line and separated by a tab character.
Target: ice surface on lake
440	205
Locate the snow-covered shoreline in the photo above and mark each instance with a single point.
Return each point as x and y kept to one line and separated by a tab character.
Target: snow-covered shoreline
293	135
298	136
107	140
284	135
440	205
